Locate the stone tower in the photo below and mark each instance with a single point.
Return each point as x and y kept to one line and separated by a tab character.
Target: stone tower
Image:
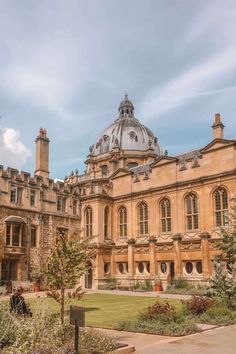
42	154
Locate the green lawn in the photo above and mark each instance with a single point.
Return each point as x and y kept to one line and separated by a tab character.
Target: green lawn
102	310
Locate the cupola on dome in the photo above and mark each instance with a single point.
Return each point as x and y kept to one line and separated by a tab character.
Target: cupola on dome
126	133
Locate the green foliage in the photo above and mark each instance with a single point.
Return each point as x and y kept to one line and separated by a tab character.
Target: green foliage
222	285
171	323
143	286
36	276
219	315
158	309
198	304
110	284
67	262
180	283
45	334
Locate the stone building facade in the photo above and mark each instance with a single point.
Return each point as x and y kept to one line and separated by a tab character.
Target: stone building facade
151	214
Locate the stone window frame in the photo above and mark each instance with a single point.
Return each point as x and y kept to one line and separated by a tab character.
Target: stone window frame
195	271
106	224
11	236
221	207
16	194
107	268
191	202
61	203
122	216
88	218
124	270
165	215
143	218
32	197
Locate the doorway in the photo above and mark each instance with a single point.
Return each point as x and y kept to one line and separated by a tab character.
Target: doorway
172	271
89	277
9	269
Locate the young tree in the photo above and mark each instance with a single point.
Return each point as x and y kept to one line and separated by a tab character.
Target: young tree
66	264
223	283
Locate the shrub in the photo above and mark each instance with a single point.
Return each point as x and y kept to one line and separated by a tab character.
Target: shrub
110	284
223	285
143	286
180	283
173	327
42	334
219	316
198	304
158	309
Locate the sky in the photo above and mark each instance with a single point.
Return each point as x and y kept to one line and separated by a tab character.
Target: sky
66	64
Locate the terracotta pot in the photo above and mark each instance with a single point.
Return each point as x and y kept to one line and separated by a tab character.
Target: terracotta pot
36	288
157	287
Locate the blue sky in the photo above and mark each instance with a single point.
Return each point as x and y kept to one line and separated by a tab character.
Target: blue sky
65	65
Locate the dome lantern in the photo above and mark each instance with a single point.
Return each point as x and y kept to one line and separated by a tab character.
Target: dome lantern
126	108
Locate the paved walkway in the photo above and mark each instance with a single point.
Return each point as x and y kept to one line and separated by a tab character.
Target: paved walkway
215	341
138	293
113	292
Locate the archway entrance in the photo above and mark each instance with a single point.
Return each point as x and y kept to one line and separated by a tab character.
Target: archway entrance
89	277
9	269
172	271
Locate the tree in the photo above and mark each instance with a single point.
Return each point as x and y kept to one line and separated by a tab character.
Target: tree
66	264
223	282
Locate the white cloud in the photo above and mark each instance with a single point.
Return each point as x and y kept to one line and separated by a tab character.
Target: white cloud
196	81
13	153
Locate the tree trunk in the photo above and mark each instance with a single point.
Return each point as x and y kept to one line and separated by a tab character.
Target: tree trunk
62	305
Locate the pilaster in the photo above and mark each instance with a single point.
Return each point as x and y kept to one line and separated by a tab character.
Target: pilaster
177	238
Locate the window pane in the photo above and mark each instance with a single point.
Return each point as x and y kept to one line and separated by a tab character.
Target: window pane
218	218
16	228
169	225
195	221
189	223
8	234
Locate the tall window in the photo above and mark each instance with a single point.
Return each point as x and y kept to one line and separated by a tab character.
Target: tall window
89	221
16	195
165	215
33	236
123	221
74	206
221	207
192	212
143	219
32	197
106	222
104	170
61	203
15	235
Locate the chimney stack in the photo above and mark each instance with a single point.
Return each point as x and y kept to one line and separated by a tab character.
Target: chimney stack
42	154
218	127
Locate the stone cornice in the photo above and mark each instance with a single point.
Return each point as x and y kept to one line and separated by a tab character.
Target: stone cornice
176	185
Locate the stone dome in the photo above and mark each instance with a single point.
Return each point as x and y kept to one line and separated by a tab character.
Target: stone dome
126	133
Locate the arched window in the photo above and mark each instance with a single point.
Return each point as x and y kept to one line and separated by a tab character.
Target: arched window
89	221
123	221
192	212
143	219
106	222
221	207
165	209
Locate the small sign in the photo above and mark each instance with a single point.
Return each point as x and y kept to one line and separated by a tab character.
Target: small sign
77	316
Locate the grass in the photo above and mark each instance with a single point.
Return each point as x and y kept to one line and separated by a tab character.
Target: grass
103	310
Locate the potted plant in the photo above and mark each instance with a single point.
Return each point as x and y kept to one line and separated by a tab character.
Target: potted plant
157	284
36	277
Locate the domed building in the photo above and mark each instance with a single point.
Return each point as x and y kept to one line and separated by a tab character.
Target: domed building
125	143
150	214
